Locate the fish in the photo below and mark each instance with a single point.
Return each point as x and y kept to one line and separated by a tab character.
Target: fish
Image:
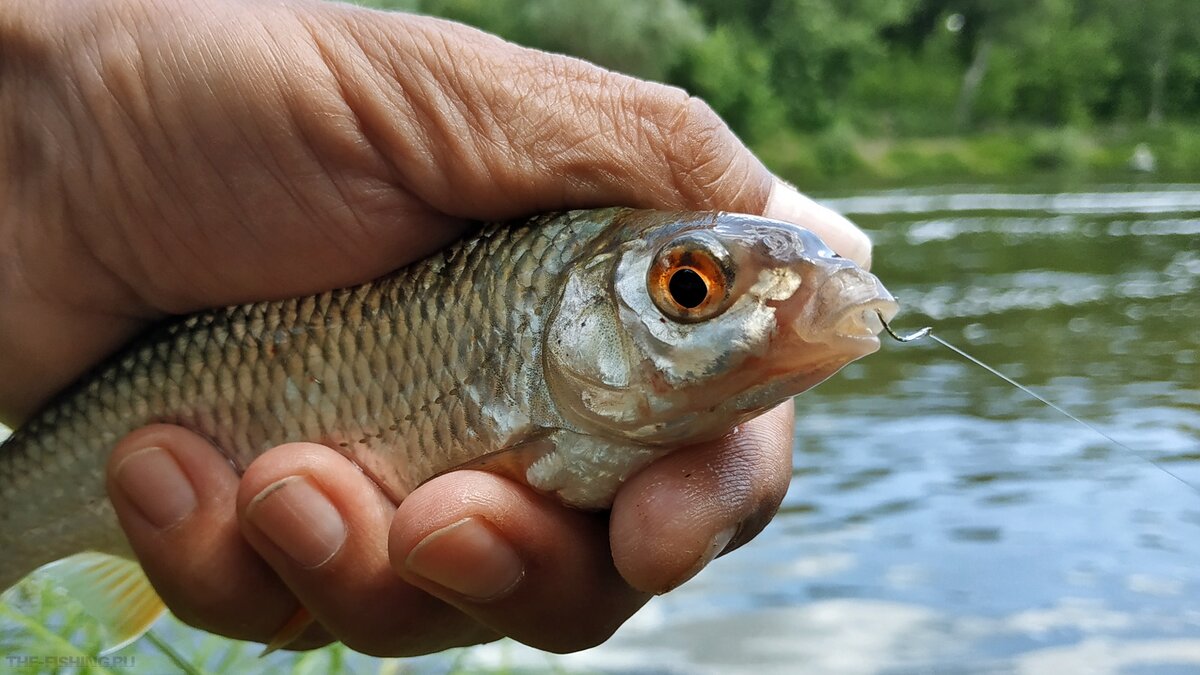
568	350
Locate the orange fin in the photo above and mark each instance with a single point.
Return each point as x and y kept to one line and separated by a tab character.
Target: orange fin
114	591
289	631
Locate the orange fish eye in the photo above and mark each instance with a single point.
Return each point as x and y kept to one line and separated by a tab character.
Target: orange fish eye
691	278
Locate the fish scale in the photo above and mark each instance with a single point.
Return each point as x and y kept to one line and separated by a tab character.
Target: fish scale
392	373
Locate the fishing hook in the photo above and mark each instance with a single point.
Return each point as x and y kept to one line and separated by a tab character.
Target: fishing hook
905	338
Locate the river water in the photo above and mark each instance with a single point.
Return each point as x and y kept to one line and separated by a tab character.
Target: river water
939	520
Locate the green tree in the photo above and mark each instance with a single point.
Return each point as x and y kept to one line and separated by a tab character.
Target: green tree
731	70
1158	43
923	66
646	38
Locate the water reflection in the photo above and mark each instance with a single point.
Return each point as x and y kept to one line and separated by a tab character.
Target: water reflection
1116	199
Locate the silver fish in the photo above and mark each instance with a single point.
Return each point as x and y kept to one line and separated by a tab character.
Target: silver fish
582	344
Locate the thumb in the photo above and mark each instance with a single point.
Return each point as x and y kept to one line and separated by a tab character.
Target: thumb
480	128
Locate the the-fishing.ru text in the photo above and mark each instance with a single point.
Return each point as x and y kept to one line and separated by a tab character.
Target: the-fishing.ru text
68	661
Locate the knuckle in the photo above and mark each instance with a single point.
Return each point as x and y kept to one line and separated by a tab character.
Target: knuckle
708	166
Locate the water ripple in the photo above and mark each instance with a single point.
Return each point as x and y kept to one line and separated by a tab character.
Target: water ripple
902	202
1037	290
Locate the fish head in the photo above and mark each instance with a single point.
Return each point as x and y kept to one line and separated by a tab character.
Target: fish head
680	326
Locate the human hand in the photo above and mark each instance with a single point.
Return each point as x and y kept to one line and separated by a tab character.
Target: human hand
165	157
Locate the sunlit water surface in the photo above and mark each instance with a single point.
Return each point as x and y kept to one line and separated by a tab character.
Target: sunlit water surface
940	520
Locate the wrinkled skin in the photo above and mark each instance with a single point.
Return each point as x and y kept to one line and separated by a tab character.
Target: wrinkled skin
160	157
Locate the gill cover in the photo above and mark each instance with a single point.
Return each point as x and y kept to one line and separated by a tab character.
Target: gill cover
651	331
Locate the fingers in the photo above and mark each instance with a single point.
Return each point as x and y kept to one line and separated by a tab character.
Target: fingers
313	534
482	556
678	514
174	496
506	560
323	526
517	562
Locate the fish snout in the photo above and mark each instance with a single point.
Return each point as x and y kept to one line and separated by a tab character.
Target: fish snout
858	304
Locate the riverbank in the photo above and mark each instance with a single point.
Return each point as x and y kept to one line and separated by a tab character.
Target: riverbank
841	155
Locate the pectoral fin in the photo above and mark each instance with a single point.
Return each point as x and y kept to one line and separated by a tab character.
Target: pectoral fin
113	590
289	632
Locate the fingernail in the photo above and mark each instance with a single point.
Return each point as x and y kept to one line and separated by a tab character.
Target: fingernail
298	518
157	486
787	204
715	547
470	558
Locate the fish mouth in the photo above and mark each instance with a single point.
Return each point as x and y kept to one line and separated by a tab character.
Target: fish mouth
865	321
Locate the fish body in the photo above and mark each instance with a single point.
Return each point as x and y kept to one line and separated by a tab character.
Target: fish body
584	343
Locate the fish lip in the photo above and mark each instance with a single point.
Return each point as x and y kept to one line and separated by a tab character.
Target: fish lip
864	321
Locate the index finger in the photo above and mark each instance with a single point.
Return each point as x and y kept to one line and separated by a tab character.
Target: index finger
506	131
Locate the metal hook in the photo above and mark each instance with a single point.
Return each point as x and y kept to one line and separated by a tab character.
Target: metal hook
906	338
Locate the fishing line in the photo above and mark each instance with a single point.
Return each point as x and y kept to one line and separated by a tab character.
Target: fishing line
928	332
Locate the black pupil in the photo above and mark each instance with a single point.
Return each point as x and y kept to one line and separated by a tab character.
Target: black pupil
687	288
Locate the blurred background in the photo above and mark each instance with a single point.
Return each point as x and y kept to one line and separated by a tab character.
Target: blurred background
1030	173
879	91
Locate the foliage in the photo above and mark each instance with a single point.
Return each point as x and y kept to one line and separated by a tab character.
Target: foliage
731	68
646	38
897	66
823	74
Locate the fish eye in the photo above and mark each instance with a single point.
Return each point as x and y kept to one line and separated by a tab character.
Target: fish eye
690	278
